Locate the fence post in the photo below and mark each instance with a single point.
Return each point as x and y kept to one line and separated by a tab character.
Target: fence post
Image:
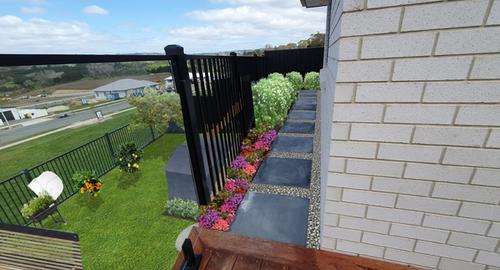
110	145
152	132
27	175
183	86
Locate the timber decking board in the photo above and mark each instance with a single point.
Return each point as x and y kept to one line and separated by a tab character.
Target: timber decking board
223	250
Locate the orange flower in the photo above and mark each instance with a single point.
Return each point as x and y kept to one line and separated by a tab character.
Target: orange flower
88	184
82	190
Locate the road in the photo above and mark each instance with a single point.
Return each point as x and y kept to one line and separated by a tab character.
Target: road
20	133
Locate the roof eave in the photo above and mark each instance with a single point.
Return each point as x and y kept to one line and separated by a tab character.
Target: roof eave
314	3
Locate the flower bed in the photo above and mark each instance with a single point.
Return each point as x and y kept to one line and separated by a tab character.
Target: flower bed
220	213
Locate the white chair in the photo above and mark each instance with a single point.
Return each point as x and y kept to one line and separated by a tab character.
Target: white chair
51	184
47	183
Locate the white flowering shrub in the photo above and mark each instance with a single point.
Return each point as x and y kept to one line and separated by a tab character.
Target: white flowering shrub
296	79
311	81
272	98
275	75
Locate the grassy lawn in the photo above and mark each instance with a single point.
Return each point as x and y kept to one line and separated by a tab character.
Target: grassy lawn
123	227
17	158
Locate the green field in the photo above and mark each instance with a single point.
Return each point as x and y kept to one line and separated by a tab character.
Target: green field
123	227
17	158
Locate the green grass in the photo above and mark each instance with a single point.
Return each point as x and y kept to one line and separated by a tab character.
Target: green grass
123	227
17	158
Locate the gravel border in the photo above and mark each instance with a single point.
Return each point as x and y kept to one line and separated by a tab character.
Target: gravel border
314	223
280	190
307	156
296	134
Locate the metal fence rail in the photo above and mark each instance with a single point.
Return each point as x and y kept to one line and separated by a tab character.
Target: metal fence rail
97	155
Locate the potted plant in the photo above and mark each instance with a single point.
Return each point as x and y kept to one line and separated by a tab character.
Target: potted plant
129	157
87	182
35	209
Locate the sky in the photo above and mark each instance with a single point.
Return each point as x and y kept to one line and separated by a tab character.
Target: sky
112	26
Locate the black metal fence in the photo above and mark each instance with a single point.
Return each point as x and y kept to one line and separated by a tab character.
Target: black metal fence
97	155
301	60
218	113
217	107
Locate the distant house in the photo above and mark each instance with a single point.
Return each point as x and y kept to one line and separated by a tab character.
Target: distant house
123	88
18	113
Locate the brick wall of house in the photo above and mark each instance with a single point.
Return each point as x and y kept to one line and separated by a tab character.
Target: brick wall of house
413	172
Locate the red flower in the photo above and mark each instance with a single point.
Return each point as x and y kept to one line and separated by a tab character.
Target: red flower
221	225
249	169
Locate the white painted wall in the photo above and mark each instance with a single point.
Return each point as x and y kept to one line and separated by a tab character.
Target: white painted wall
413	167
34	113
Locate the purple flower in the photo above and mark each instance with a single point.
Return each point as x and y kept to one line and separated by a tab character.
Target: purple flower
268	137
239	163
241	183
208	219
234	201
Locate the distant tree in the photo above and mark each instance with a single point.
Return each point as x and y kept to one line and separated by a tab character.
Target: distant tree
157	109
316	40
100	70
157	68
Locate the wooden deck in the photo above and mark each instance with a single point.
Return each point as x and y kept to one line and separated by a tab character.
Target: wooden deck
222	250
27	248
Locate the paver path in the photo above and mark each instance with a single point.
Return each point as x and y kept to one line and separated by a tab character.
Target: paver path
283	201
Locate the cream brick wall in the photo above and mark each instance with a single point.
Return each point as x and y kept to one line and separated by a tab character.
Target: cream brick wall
413	169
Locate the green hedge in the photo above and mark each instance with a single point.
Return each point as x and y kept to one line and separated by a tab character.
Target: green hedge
311	81
272	98
296	79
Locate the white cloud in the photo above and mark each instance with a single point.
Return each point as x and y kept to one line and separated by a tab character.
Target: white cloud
249	24
32	10
42	36
95	10
241	24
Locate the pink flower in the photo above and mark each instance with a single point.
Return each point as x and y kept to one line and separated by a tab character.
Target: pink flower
261	145
227	208
230	185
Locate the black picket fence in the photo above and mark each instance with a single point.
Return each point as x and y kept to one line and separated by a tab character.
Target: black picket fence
97	155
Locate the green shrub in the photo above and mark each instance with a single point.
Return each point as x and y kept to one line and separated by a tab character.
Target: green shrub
272	98
129	157
311	81
275	75
182	208
296	79
36	205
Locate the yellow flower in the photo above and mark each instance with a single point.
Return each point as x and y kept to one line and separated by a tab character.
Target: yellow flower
136	165
82	190
128	165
